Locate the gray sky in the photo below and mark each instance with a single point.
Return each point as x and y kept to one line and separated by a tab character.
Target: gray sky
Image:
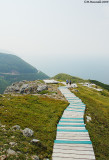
55	36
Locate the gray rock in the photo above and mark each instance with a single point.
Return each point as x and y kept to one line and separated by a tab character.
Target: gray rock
16	89
12	137
3	126
16	127
11	152
28	132
88	118
23	88
34	157
35	140
3	157
76	90
42	88
4	129
13	143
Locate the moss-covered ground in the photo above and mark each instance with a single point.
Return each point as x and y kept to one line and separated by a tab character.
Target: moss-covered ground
98	109
37	113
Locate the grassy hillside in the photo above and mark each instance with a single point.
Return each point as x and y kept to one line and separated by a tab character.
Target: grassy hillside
13	68
29	77
105	86
98	109
11	63
3	85
6	80
64	77
39	114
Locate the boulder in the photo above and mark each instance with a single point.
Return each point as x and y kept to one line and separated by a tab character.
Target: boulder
11	152
42	88
3	126
3	157
35	140
27	132
34	157
13	143
88	118
26	87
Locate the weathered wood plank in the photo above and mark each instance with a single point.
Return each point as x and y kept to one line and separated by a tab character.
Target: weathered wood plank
62	158
72	139
73	151
72	128
77	148
89	156
76	138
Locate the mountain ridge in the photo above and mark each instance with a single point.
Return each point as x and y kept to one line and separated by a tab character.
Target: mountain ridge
13	69
13	64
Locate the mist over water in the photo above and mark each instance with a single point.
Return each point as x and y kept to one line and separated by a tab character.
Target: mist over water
58	36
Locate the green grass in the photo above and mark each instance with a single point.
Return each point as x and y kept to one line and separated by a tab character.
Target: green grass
39	114
64	77
105	86
98	109
3	85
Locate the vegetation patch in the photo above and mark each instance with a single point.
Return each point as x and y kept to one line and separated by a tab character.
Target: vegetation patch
105	86
14	69
98	109
28	111
64	77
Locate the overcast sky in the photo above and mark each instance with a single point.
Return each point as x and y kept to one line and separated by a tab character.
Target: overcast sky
58	36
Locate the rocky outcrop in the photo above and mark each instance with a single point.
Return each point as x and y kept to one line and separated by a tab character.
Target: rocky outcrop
35	88
26	87
28	132
42	88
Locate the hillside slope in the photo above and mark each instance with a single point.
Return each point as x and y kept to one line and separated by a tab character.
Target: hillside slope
39	113
64	77
13	68
14	65
105	86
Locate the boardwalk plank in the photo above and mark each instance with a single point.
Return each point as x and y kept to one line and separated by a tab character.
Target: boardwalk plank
72	139
89	156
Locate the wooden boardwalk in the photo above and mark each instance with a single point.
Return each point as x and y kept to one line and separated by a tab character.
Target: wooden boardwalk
72	139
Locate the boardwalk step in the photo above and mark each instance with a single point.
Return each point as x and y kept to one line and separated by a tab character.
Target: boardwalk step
72	142
71	118
72	139
70	121
70	130
61	125
73	151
